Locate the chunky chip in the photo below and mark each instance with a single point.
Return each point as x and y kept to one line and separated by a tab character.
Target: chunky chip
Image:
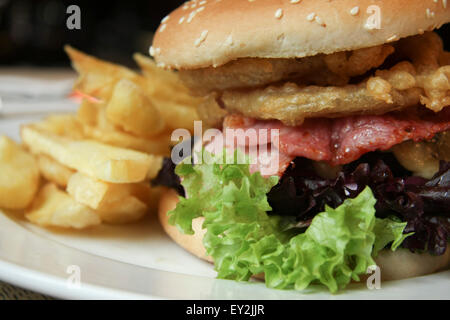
127	210
115	203
130	109
19	175
97	194
66	125
55	208
100	161
54	171
163	89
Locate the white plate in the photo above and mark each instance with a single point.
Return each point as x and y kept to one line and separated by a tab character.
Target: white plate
140	261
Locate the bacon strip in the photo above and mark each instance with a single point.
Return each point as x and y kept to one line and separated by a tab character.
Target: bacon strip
343	140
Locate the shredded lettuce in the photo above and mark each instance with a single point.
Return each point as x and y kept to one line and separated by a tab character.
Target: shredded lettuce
244	240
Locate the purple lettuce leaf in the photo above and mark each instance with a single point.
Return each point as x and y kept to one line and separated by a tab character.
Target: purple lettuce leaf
301	194
423	204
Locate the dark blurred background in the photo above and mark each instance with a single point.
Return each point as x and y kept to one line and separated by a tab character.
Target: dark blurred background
32	32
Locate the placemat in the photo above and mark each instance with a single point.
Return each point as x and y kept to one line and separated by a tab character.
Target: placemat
10	292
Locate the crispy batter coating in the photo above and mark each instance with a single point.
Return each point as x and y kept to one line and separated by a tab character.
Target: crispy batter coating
292	104
421	78
357	62
334	69
211	113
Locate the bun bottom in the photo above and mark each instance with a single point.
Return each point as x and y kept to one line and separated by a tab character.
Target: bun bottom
397	265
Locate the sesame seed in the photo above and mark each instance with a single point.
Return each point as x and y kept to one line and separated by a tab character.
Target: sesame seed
163	27
152	51
311	16
229	41
435	1
191	16
430	14
181	20
202	2
279	13
394	37
444	4
295	1
165	19
320	21
200	9
194	5
354	11
201	39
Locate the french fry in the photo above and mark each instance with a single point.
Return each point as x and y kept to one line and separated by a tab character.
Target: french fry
160	81
66	125
97	77
103	123
106	132
55	208
158	91
105	154
157	145
115	203
131	110
96	126
53	171
19	175
88	113
162	84
177	115
97	160
145	193
127	210
95	193
149	195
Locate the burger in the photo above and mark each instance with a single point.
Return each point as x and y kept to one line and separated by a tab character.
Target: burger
358	93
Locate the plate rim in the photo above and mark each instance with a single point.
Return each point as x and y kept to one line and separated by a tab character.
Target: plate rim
54	283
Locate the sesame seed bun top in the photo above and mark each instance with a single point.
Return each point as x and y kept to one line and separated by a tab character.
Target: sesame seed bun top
203	33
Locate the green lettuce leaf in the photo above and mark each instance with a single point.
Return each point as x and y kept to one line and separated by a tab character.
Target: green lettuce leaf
389	230
244	240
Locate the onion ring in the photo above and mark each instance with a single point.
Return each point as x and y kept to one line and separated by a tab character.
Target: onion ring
422	81
334	69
